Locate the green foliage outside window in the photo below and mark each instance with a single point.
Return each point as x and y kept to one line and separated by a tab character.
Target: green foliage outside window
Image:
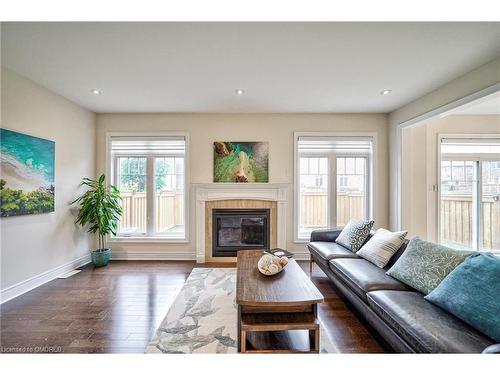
133	174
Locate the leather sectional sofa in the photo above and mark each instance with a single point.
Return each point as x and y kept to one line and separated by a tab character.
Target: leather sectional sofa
400	314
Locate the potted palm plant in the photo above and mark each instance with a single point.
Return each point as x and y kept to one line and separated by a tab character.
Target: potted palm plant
100	209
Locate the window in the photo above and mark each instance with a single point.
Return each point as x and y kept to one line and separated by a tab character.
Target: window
150	174
333	182
314	185
469	194
351	189
131	181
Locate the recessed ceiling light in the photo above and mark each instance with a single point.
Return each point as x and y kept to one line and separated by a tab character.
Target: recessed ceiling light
239	91
96	91
385	92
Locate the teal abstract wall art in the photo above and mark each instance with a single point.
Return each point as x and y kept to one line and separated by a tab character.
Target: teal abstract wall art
27	174
241	161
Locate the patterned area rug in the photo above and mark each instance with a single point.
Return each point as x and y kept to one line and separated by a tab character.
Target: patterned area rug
203	317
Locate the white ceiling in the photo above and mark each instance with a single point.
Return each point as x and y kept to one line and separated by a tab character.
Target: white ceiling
283	67
489	105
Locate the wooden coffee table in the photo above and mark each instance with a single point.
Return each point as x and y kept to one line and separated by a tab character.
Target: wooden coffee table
287	302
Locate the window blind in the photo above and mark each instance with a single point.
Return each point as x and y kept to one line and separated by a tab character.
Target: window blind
326	144
470	146
148	145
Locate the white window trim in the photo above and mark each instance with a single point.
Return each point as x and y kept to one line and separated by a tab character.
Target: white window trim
477	236
110	171
371	180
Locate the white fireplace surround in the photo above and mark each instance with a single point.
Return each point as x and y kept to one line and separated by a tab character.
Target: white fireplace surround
217	192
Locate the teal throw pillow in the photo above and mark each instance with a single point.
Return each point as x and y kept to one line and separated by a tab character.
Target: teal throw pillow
471	292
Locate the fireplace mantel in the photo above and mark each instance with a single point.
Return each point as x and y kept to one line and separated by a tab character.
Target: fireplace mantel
226	191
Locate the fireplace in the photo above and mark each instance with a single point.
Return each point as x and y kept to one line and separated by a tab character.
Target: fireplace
239	229
210	197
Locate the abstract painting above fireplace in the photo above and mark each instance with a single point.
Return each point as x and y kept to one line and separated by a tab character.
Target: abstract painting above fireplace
239	229
241	162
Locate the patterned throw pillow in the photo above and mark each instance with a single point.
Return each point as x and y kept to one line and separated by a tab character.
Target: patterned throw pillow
424	264
354	234
382	246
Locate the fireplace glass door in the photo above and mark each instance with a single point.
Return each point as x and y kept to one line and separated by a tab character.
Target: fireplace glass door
238	229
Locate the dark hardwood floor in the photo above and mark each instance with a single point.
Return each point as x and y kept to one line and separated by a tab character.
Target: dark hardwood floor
116	309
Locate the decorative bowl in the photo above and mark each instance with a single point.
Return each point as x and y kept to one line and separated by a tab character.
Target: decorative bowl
271	265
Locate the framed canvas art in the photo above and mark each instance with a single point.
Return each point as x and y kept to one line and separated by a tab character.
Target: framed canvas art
27	174
241	161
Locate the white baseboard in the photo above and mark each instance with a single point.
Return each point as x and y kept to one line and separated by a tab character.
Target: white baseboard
33	282
151	255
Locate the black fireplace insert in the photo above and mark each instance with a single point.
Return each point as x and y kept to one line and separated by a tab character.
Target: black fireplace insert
239	229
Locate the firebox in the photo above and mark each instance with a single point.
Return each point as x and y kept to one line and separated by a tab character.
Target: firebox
239	229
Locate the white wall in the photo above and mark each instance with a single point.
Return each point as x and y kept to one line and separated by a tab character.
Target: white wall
470	83
35	244
277	129
414	183
419	172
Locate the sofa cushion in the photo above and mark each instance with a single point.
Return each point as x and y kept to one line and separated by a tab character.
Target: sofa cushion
424	326
354	234
362	276
425	264
382	246
471	292
325	251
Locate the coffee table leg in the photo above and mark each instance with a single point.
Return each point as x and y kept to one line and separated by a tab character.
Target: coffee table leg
314	333
239	328
243	342
314	340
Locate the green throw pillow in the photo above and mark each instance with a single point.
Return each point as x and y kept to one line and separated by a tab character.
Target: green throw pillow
424	264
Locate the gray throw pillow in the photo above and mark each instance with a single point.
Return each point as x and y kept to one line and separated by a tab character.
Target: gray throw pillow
354	234
424	264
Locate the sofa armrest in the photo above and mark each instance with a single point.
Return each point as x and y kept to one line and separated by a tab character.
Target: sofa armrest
492	349
325	235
